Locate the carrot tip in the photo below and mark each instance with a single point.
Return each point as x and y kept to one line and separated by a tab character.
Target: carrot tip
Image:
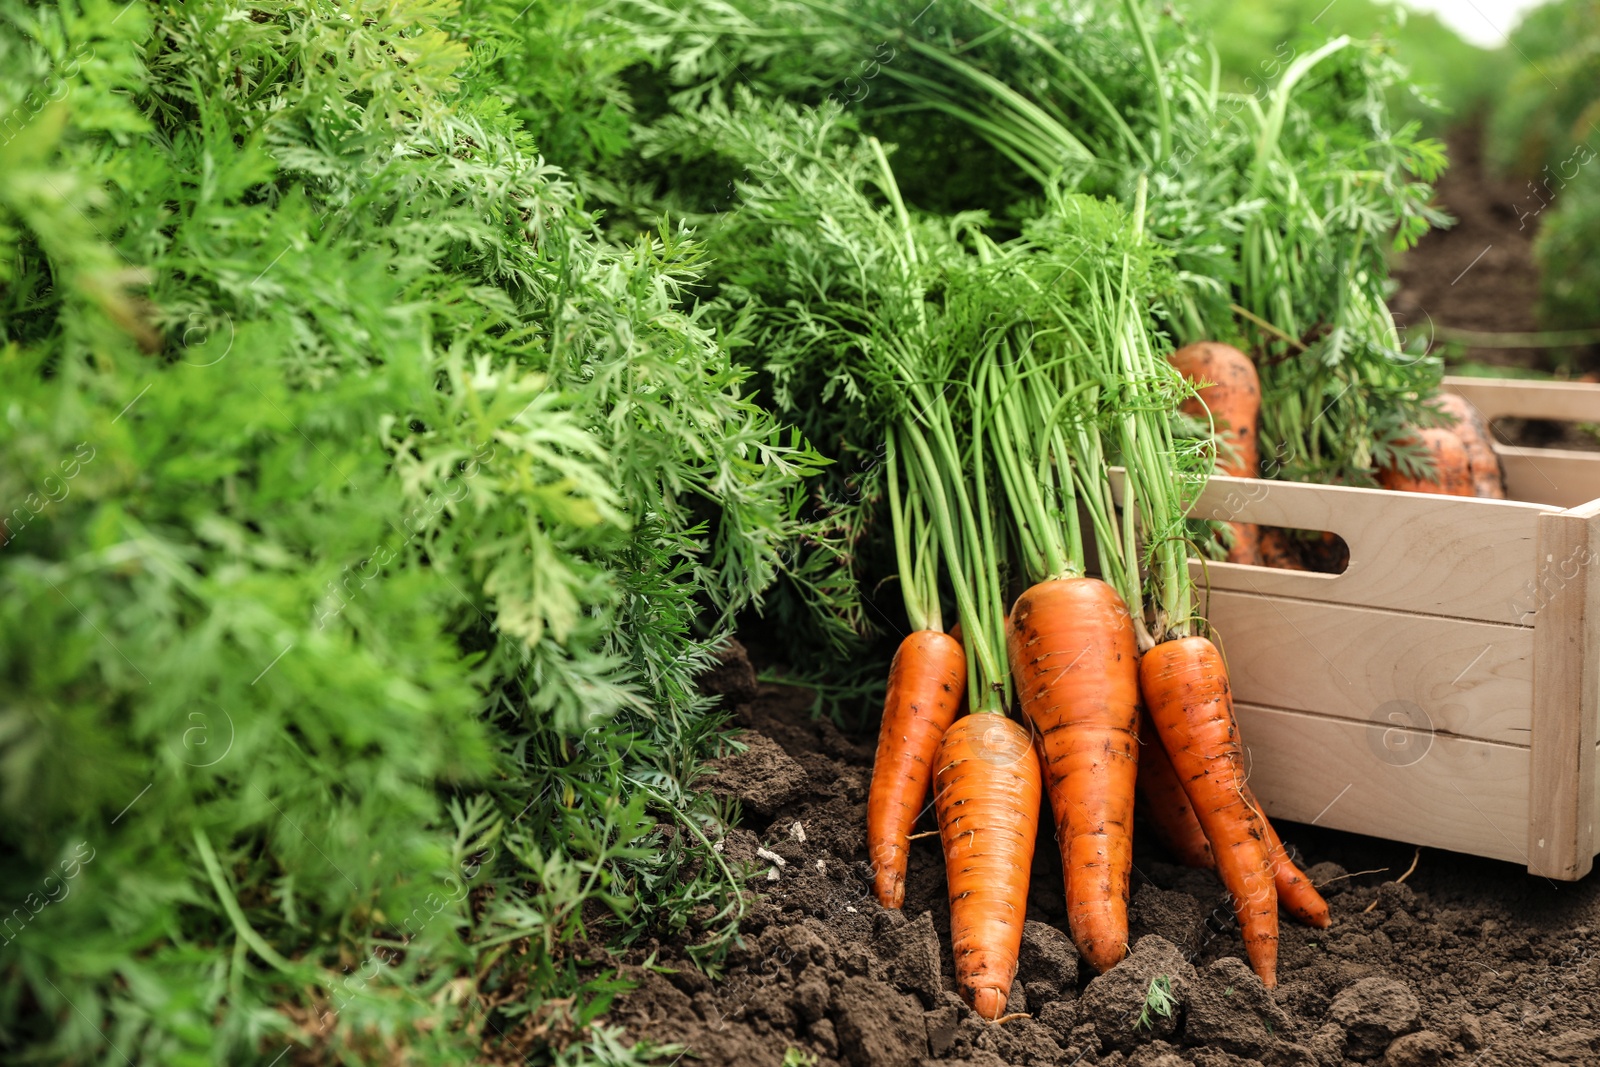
990	1002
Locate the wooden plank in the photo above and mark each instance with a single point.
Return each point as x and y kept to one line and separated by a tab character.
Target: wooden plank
1566	695
1451	793
1498	398
1470	679
1408	551
1562	477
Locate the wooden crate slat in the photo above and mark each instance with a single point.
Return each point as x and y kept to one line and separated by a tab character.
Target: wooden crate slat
1561	477
1451	793
1566	695
1471	679
1497	398
1433	555
1476	620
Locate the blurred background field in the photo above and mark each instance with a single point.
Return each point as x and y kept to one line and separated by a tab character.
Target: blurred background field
1515	89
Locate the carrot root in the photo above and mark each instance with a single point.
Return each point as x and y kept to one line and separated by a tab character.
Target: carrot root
1166	805
987	793
926	683
1185	686
1073	652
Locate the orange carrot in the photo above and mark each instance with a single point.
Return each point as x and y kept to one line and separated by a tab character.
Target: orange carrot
986	791
1234	403
1185	686
1166	806
926	683
1474	434
1452	473
1075	658
1168	810
1295	891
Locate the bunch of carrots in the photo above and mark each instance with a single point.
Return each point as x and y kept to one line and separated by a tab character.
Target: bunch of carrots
1004	383
1117	687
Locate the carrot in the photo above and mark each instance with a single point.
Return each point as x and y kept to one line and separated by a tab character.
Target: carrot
1168	810
927	680
1075	658
1166	806
1234	403
1185	686
1474	434
986	793
1295	891
1452	474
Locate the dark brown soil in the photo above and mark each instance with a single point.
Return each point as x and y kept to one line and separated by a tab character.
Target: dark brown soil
1479	274
1467	962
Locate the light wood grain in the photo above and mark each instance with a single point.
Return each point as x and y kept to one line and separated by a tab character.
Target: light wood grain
1466	796
1564	477
1471	679
1559	476
1436	555
1497	398
1566	695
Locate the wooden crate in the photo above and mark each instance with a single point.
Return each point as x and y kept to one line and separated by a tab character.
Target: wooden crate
1443	689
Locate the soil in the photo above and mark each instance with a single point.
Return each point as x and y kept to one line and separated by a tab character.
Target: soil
1478	274
1467	961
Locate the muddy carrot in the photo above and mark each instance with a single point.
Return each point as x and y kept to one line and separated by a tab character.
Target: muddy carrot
1166	806
986	793
1233	402
927	681
1167	809
1474	433
1295	891
1075	658
1185	686
1452	473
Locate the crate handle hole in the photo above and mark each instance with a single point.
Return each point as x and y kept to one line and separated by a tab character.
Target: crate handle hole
1314	551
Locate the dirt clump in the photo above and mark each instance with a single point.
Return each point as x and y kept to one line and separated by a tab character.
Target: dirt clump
1373	1012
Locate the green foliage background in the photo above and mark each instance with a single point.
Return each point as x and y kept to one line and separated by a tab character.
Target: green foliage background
1544	132
369	514
1450	78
